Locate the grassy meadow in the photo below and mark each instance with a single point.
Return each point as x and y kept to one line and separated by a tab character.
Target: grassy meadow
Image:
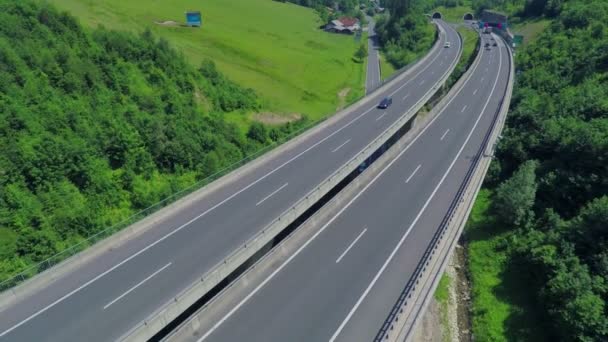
275	48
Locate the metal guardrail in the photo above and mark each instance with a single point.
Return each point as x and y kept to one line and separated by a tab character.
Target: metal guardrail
166	313
72	250
405	298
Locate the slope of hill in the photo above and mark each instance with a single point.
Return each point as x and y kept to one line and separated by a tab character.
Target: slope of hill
539	255
95	126
273	47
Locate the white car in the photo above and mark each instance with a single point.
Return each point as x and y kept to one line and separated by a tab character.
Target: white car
446	45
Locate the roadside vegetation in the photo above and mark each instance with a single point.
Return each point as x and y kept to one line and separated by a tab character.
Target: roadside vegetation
406	34
273	47
386	69
96	126
538	243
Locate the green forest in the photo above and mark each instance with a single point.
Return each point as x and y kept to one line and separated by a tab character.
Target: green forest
97	125
405	33
550	177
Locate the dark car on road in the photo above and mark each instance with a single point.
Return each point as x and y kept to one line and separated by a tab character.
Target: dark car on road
385	103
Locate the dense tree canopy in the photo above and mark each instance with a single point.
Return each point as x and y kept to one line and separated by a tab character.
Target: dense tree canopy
95	126
559	119
405	33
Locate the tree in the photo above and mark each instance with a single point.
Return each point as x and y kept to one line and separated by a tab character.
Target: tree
361	53
515	197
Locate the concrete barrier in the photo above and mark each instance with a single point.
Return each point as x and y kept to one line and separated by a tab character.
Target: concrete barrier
200	322
426	279
167	313
79	259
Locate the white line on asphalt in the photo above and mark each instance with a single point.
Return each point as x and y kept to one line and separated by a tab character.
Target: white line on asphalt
272	194
180	227
475	92
422	82
339	147
136	286
381	116
406	95
351	245
444	134
463	109
322	229
413	173
418	74
392	255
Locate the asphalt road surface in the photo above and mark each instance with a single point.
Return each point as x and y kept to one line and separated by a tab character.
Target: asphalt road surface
106	297
373	78
341	284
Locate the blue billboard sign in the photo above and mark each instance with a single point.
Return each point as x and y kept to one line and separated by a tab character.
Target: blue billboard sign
194	19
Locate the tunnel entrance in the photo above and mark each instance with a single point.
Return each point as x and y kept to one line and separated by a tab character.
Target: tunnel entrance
468	16
436	15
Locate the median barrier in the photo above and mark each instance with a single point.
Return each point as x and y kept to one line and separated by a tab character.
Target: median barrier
167	313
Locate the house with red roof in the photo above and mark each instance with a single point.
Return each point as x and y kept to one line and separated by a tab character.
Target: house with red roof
346	25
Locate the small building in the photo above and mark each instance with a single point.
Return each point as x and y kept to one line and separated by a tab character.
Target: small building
345	25
493	19
193	19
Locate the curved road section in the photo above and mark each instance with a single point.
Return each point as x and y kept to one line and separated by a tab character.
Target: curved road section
341	284
107	296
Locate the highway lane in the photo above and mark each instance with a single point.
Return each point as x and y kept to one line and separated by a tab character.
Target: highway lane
107	296
373	78
341	284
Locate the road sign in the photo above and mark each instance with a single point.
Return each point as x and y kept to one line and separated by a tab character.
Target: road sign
518	39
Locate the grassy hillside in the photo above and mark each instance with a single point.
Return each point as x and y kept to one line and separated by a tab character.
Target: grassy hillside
275	48
97	125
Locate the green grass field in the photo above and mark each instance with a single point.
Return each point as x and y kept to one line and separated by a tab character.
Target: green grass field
502	308
275	48
386	68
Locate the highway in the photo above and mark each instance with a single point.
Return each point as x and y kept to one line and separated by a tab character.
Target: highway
105	297
373	78
341	284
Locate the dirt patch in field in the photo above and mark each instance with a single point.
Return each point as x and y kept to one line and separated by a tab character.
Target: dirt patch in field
167	23
276	119
342	94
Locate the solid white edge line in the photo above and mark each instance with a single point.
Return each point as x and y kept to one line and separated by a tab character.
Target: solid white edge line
136	286
205	212
339	147
413	173
444	134
394	252
351	246
322	229
166	236
271	194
